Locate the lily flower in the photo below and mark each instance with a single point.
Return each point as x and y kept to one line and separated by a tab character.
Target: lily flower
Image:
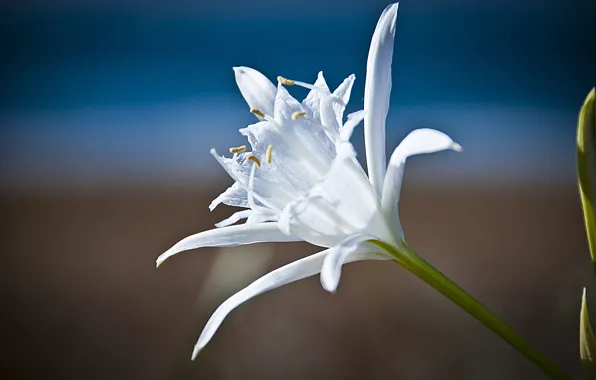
301	180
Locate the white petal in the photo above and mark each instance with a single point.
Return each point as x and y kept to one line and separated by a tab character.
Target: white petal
377	91
260	217
328	118
301	140
229	237
227	164
285	105
257	90
353	120
295	271
235	217
301	155
419	141
266	194
343	94
234	195
306	267
312	100
343	203
348	250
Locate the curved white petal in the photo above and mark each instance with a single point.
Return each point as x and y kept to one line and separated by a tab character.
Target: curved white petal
419	141
348	128
377	91
229	237
235	217
306	267
348	250
257	90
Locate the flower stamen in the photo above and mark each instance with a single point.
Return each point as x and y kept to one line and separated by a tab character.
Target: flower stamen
254	159
257	112
268	153
324	92
298	114
238	149
285	81
251	185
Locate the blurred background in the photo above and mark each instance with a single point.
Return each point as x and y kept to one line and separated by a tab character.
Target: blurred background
107	112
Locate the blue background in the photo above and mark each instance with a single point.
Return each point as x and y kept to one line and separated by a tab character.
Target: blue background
128	91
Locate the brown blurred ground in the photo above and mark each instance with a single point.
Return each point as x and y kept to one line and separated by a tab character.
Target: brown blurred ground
81	298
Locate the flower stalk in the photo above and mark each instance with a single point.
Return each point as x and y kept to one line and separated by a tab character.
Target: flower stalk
419	267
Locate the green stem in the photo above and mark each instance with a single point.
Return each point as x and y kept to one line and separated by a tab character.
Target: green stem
411	261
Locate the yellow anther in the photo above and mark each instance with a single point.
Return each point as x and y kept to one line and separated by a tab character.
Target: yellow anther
285	81
257	112
238	149
254	159
297	114
268	153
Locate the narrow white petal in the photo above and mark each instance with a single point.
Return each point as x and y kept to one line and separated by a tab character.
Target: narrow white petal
351	248
353	120
229	237
235	217
328	118
419	141
234	195
257	90
342	93
312	100
377	91
306	267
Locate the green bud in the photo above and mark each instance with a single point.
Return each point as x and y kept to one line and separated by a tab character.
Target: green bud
587	343
586	168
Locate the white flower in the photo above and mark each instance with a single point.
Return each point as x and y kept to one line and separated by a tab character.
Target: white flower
301	180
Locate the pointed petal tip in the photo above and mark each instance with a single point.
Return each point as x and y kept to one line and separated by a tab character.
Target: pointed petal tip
329	286
195	352
160	260
328	283
164	256
391	12
256	89
242	69
456	147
